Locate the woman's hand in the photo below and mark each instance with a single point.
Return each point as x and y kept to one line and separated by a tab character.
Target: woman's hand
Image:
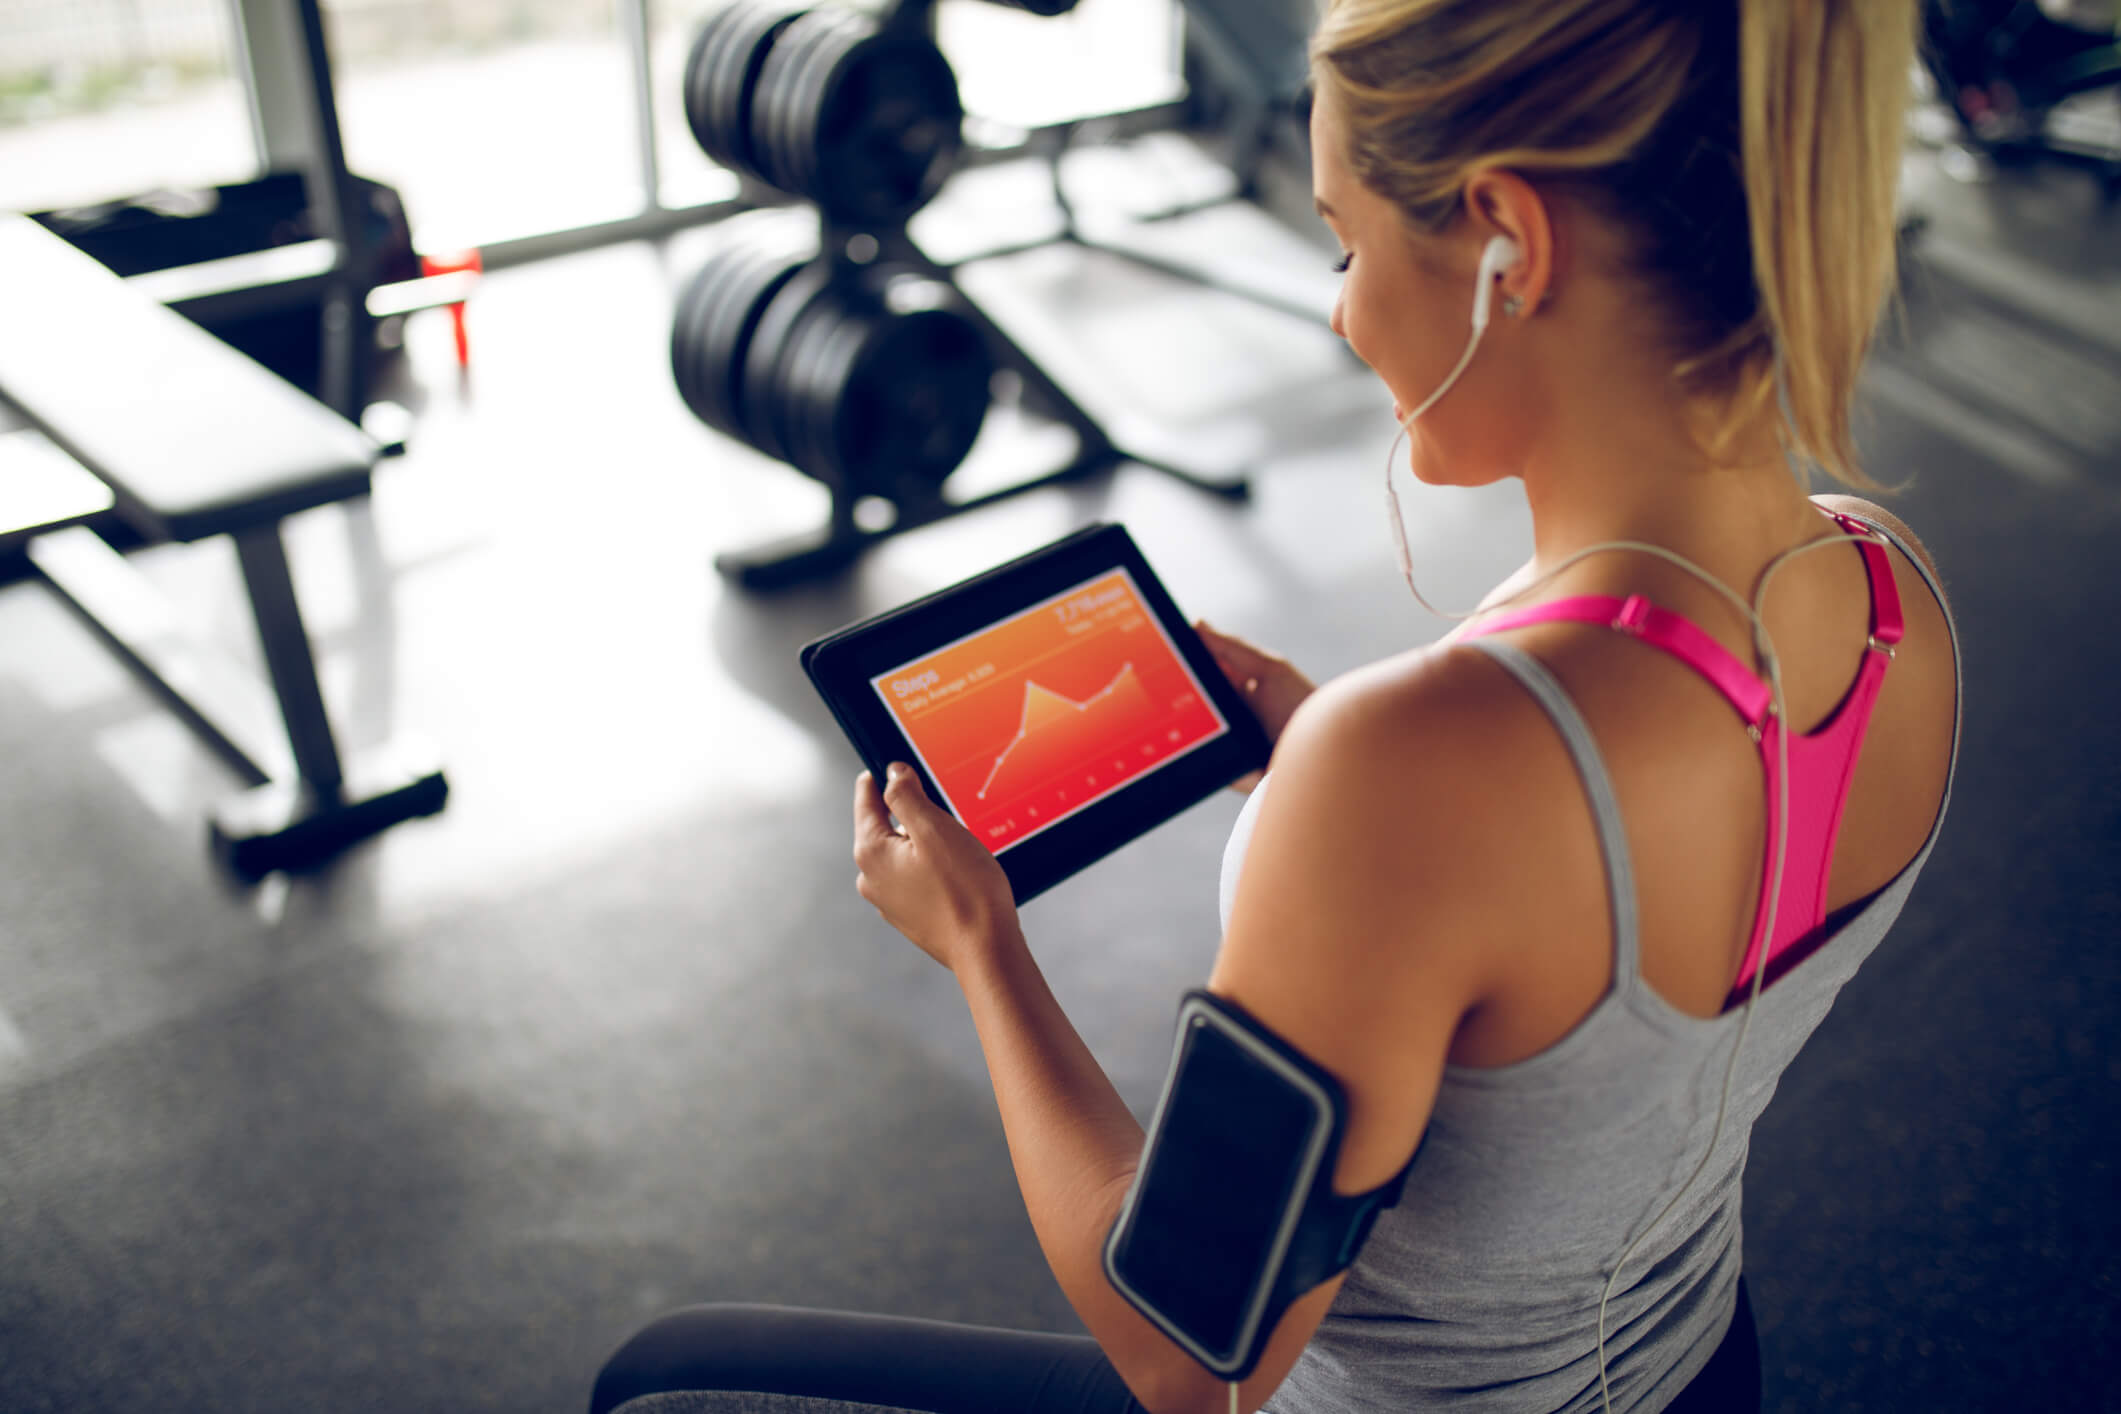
1270	685
929	877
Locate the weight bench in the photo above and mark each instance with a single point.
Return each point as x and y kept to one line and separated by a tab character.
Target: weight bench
188	439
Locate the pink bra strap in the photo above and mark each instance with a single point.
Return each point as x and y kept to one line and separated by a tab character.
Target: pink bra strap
1661	628
1887	623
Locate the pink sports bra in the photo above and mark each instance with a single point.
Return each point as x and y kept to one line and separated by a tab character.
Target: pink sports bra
1821	761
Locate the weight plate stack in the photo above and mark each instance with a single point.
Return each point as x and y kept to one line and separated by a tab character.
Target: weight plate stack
722	77
862	118
880	402
717	315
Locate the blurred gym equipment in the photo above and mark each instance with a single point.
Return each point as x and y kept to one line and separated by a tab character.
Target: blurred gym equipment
309	268
1251	76
191	440
859	361
2004	66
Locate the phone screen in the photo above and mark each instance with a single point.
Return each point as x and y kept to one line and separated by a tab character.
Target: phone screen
1043	713
1220	1174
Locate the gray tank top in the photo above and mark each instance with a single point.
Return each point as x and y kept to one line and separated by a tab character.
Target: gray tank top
1480	1290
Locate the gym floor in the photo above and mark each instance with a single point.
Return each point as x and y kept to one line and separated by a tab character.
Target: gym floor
436	1128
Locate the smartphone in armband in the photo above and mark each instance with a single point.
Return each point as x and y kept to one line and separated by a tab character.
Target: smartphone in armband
1232	1214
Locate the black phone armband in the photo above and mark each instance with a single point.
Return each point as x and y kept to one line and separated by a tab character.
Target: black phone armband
1232	1216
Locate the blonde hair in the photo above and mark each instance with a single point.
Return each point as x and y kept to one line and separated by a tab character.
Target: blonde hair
1750	146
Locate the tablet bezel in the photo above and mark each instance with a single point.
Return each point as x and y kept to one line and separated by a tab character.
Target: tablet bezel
842	664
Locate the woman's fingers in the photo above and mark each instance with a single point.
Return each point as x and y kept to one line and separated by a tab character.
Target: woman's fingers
1234	656
872	822
903	793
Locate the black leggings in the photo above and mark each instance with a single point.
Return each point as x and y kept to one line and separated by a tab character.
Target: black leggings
890	1360
827	1356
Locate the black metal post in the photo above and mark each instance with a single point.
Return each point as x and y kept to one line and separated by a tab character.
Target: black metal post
288	659
348	333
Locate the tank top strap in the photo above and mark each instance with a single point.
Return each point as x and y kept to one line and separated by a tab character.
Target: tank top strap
1548	692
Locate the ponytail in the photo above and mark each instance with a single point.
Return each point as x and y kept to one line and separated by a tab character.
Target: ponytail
1822	101
1751	146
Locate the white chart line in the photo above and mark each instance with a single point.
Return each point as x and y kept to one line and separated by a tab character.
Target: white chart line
1023	724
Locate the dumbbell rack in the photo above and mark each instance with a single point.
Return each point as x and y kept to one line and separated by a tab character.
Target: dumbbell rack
794	559
850	250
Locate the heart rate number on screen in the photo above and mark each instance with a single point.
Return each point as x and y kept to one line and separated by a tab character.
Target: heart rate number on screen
1034	718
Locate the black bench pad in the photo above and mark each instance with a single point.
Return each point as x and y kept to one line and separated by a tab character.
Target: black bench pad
194	438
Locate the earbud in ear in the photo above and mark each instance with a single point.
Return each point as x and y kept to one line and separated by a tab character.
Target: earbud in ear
1500	254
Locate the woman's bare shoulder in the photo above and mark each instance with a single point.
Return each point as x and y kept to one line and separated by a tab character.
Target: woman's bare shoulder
1399	859
1416	782
1445	714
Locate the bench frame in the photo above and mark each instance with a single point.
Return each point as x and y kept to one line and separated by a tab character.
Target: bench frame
305	803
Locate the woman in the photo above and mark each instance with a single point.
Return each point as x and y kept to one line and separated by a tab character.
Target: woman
1516	890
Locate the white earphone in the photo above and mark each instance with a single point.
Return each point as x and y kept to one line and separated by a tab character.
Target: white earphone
1500	254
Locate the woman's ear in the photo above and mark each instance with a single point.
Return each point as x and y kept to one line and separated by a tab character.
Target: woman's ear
1501	203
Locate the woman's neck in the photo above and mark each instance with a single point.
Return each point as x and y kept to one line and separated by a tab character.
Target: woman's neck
1651	480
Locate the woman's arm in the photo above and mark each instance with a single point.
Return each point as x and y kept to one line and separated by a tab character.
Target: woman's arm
1072	1140
1350	937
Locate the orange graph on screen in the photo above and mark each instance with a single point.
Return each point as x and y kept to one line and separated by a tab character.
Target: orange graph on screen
1057	731
1050	710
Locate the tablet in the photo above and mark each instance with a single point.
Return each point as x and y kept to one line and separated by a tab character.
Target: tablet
1059	705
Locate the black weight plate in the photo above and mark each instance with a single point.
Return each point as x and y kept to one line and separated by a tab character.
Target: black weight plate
876	402
797	378
706	299
703	78
720	72
863	399
689	333
743	62
865	121
822	64
768	98
811	379
715	319
685	335
803	385
726	346
886	132
911	405
715	294
786	102
759	401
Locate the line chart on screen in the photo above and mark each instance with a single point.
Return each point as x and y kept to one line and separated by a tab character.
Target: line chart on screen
1042	714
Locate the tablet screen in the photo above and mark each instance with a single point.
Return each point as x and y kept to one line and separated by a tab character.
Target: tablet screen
1042	714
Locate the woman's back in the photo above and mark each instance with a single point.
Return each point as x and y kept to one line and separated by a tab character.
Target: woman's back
1690	786
1583	1094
